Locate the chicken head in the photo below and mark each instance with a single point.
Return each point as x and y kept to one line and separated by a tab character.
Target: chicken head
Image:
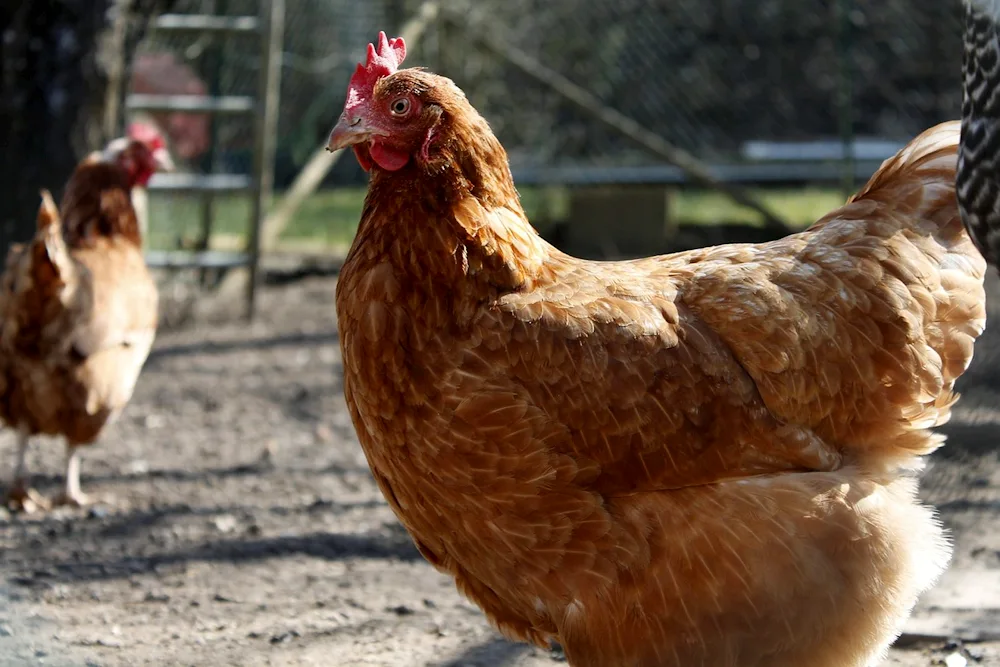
385	119
142	152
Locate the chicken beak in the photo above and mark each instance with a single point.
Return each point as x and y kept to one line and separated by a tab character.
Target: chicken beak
163	160
348	132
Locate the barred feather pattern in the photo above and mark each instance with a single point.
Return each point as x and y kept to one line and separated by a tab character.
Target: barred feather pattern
977	184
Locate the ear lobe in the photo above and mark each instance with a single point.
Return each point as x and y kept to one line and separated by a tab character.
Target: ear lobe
425	149
387	157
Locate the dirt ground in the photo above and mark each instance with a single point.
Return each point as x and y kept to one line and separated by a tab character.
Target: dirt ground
240	526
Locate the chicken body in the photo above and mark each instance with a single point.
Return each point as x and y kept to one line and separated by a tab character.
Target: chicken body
699	459
79	312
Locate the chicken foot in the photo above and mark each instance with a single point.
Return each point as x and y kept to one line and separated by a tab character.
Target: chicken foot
71	494
20	497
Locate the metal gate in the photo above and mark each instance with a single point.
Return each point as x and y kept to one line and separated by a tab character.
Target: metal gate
268	27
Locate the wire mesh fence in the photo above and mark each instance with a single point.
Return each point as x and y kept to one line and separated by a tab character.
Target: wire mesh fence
320	46
707	76
710	77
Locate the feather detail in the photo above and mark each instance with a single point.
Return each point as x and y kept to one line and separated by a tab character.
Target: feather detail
695	458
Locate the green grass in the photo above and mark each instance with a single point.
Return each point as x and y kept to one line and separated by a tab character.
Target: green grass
328	219
799	208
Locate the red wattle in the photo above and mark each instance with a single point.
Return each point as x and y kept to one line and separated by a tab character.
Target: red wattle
389	158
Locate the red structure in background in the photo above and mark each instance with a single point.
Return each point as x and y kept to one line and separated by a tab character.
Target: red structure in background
162	74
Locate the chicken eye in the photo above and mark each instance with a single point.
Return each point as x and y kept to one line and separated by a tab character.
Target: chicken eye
400	106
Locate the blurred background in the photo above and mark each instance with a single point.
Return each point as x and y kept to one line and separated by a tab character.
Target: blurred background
690	122
792	103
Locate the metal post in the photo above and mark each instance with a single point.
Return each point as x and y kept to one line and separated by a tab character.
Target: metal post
845	97
214	57
273	15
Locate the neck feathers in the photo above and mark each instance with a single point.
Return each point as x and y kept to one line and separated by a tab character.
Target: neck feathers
457	214
113	150
97	204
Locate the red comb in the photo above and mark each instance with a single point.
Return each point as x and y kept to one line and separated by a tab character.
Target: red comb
383	62
147	134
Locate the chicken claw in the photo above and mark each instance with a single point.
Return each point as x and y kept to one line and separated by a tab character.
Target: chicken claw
21	498
78	499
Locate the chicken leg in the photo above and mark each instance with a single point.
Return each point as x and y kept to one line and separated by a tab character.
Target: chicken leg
20	497
71	494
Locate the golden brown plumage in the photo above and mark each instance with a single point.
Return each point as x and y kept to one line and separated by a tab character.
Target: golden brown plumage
695	459
79	314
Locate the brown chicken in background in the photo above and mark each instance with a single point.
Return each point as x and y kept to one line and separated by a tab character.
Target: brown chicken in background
78	310
699	459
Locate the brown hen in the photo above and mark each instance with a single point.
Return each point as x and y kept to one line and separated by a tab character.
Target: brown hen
698	459
79	311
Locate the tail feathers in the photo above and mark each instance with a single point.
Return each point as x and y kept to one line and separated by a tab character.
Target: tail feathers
917	185
943	267
51	255
933	148
928	160
48	212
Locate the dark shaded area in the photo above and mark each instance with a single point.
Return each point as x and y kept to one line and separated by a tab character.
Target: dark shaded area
218	347
496	652
51	482
41	557
389	543
968	440
61	64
